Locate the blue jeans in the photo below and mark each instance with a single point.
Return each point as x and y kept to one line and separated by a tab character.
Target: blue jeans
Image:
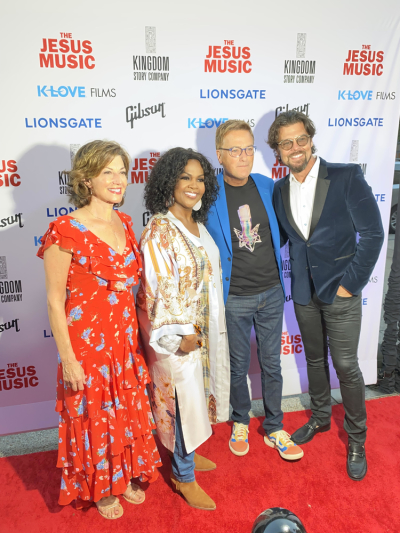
182	462
265	312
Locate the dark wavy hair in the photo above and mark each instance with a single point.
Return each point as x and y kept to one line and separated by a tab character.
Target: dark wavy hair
162	180
287	119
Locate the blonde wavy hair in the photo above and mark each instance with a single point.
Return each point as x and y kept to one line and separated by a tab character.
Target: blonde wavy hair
88	162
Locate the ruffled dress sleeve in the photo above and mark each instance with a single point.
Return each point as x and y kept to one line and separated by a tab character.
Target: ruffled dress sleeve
63	232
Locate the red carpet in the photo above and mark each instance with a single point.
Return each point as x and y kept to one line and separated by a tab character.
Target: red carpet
316	488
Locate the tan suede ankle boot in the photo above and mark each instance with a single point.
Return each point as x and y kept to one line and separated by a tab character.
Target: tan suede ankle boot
194	495
202	464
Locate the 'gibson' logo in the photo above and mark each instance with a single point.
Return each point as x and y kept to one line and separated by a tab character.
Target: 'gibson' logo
136	112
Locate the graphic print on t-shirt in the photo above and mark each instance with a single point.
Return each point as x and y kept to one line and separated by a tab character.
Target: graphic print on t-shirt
249	236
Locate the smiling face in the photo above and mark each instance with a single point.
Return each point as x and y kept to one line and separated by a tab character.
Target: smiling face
190	187
109	186
298	158
236	169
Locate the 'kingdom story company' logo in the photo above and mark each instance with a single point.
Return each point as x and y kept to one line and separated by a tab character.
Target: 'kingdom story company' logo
299	70
228	58
150	67
66	53
8	173
10	290
364	62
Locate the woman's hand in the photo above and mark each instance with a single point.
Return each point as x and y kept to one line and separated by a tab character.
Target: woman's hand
189	343
73	375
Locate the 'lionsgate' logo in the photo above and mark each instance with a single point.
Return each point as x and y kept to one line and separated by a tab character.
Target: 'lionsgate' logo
136	112
299	70
150	67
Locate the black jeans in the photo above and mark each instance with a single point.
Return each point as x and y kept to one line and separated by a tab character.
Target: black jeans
340	322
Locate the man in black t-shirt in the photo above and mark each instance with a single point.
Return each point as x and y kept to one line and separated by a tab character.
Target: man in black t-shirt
244	227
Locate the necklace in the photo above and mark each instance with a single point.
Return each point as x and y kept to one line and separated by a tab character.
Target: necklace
109	223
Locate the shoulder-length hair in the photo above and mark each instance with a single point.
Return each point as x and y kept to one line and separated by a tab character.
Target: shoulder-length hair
88	162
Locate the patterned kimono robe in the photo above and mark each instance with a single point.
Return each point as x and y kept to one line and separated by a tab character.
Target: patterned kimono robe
180	289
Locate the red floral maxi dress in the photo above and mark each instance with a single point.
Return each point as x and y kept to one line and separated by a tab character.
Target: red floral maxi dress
105	435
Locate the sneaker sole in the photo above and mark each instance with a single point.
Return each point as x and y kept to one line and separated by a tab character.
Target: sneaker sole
282	454
239	454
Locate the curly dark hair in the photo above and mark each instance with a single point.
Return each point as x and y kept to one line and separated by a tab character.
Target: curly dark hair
287	119
162	180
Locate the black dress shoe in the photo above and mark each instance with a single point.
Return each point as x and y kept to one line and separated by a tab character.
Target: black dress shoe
356	462
307	432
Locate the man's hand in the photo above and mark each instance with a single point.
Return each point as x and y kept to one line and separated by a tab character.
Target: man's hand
343	292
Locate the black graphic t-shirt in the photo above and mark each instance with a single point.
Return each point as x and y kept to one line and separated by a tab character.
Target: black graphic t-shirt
254	268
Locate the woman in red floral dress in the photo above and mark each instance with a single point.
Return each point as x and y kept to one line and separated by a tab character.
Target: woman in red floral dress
91	264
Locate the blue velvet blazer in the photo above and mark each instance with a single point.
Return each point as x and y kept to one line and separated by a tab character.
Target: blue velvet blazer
333	255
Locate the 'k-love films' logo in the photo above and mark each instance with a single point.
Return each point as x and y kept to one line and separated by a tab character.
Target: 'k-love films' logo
150	67
10	290
73	91
364	62
9	176
299	70
228	58
66	52
365	95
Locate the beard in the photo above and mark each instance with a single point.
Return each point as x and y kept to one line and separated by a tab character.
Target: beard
294	167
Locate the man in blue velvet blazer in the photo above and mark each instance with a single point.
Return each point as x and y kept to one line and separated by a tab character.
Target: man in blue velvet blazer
321	207
244	227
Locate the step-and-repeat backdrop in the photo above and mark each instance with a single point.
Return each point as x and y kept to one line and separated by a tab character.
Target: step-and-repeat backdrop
163	74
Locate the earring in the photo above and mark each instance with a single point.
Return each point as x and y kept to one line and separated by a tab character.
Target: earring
197	206
170	202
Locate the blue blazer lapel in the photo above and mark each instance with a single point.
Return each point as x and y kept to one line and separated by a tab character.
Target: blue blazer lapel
222	211
267	201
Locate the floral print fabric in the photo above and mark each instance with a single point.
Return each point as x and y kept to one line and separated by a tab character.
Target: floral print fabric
105	435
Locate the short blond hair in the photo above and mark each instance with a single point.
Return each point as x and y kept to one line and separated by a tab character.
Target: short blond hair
226	127
88	162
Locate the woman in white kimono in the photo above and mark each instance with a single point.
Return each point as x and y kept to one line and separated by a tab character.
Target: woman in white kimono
181	315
